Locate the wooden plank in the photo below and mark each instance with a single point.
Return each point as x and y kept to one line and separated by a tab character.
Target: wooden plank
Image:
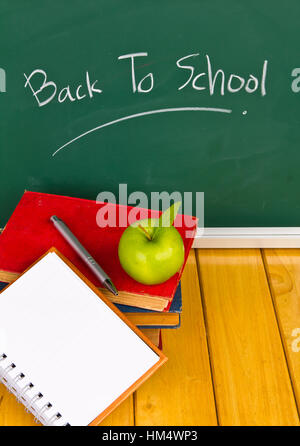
13	413
252	383
283	268
122	415
181	392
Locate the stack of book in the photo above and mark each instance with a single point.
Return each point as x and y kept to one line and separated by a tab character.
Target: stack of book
29	234
151	322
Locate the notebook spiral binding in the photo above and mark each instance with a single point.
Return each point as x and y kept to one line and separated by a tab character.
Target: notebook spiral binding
26	393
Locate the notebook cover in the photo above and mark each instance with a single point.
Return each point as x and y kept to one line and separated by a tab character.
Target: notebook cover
143	378
29	233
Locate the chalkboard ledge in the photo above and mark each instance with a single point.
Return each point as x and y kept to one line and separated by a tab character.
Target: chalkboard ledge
288	237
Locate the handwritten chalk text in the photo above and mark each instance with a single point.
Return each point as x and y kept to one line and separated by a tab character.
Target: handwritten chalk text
201	75
49	89
232	83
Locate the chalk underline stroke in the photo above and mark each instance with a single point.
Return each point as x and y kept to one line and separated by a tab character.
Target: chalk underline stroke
138	115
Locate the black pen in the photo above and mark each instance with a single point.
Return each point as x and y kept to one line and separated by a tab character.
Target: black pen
83	254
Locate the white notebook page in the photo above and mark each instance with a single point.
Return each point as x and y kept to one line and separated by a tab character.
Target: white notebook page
69	343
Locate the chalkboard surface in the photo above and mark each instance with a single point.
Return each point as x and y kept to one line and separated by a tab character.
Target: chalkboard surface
235	138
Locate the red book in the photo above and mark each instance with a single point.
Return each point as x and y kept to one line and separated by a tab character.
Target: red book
29	234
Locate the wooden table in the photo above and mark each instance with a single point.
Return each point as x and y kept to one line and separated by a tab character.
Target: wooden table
236	358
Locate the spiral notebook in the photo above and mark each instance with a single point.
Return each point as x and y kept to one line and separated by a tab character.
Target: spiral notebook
66	352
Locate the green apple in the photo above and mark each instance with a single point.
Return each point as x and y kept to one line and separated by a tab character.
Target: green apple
149	253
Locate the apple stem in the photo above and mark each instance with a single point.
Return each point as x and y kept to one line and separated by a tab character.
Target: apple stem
145	232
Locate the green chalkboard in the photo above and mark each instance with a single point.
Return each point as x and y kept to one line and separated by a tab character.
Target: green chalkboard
240	144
